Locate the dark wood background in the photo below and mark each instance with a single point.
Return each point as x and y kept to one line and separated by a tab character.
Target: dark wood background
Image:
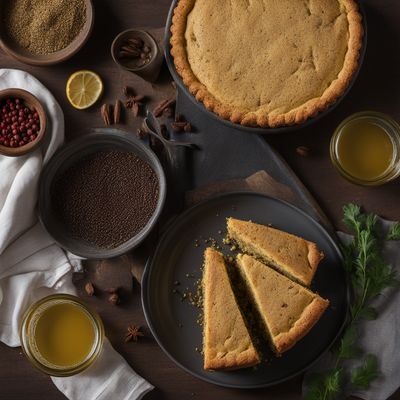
377	88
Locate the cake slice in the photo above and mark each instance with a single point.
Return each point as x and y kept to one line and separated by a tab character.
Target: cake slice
226	341
287	309
292	255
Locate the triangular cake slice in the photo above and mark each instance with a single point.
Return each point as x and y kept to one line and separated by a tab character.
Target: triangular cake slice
292	255
288	310
226	341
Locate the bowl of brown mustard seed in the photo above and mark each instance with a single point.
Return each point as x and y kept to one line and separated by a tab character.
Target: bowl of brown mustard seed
44	32
101	195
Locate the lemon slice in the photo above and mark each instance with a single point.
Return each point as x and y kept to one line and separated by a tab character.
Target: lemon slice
83	89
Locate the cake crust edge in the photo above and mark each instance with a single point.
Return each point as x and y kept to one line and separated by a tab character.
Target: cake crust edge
232	361
311	315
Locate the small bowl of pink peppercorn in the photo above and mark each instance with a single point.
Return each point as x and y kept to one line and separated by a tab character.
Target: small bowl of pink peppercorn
22	122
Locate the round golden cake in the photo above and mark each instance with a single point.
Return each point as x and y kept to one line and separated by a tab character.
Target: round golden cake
266	63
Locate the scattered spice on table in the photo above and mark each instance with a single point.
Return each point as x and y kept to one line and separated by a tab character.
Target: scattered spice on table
303	151
164	105
117	111
43	26
106	198
114	299
106	112
141	133
179	127
89	289
180	124
19	124
134	102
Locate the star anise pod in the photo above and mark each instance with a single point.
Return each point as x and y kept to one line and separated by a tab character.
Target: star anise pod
133	103
133	334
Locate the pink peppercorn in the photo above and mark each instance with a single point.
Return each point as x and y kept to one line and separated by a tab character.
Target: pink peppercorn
19	124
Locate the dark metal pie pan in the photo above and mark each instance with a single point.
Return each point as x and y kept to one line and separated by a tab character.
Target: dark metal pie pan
182	87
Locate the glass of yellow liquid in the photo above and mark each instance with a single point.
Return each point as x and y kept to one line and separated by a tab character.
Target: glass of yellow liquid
61	335
365	148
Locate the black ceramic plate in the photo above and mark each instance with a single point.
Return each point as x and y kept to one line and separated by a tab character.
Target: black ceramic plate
183	88
173	322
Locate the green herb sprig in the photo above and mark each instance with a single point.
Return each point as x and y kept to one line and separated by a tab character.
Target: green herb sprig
369	276
394	232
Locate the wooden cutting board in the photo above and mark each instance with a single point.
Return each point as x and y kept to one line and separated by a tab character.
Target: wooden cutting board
228	156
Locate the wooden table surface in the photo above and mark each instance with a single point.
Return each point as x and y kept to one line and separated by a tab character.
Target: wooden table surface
377	88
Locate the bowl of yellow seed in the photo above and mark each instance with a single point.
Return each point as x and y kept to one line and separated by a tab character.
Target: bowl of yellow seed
44	32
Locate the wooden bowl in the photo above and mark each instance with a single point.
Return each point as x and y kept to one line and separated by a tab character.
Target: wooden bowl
31	102
26	57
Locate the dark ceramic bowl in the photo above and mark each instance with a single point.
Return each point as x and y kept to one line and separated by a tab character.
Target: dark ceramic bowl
26	57
149	71
31	102
98	140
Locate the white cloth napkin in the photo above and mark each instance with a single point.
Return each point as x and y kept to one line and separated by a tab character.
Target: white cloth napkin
32	266
380	337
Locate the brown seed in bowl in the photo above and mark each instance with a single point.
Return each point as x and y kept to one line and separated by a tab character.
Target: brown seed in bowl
127	191
57	56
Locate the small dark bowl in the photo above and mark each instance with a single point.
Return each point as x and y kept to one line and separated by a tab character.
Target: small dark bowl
148	71
98	140
26	57
30	101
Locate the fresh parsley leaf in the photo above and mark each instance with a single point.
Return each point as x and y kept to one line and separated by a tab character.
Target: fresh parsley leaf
347	252
362	376
332	383
347	344
352	217
370	222
368	313
394	232
381	276
317	387
369	273
325	386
